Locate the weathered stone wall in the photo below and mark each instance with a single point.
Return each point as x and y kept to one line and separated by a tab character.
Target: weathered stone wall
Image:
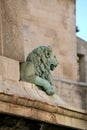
73	93
52	22
0	31
9	68
11	32
27	24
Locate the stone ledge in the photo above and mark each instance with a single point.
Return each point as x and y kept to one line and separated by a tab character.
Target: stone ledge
41	115
84	84
26	100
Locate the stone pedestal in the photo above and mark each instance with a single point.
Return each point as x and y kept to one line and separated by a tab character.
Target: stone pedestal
26	100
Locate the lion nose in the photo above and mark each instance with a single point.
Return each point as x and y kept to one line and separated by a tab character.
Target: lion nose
57	63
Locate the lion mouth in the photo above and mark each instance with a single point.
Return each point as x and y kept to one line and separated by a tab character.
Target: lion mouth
52	66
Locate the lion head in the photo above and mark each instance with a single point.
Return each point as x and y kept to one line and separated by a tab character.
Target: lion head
44	61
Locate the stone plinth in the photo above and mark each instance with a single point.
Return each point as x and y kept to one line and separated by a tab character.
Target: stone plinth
26	100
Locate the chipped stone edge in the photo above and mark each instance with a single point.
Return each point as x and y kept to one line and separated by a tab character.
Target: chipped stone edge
40	115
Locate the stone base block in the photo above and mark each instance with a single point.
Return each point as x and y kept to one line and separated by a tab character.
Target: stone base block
9	68
23	99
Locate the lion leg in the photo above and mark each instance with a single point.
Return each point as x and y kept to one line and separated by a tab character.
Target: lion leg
45	85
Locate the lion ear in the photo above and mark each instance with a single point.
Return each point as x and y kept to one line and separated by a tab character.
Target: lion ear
49	48
48	51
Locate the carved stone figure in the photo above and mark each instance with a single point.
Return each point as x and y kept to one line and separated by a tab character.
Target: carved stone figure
37	68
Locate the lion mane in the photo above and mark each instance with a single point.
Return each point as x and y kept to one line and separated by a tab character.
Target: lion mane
40	57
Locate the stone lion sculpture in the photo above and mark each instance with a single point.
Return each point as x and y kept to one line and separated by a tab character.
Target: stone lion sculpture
37	68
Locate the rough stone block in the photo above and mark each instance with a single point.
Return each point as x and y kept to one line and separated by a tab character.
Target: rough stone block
9	68
11	30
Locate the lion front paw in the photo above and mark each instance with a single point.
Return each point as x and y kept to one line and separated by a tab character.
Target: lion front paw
50	91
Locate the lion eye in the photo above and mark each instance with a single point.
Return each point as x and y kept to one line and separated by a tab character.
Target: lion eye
48	54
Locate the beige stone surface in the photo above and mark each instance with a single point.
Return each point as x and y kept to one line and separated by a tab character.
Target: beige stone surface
52	23
12	31
0	77
9	68
31	113
74	93
24	99
0	31
28	24
86	125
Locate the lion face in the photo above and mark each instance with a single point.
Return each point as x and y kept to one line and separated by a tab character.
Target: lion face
52	61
